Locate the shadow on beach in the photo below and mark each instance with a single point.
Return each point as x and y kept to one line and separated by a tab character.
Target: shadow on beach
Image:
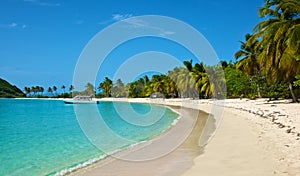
174	163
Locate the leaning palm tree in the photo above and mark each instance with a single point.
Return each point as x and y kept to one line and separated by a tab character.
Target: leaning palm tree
247	60
279	41
247	57
186	83
213	82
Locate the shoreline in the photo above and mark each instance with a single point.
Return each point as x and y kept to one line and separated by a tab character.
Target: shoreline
255	146
260	137
139	159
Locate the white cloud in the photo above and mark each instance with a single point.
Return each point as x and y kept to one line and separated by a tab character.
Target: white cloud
42	3
139	23
116	18
13	25
119	17
136	23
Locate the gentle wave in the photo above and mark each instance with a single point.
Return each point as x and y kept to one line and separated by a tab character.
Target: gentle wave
78	166
72	169
91	161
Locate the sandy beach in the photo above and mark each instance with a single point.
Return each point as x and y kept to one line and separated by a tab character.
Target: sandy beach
254	137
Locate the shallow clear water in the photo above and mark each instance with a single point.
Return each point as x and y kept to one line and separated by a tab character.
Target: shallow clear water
40	137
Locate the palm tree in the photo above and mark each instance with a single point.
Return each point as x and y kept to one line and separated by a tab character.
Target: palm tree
119	89
106	86
27	90
188	65
50	90
42	90
199	74
247	60
38	89
71	88
89	89
34	90
279	38
205	87
213	82
186	83
247	57
63	87
54	89
170	87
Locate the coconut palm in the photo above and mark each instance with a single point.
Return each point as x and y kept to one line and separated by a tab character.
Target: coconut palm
119	89
106	86
50	90
186	83
198	73
248	62
54	89
279	38
213	82
42	90
63	87
34	90
247	57
136	88
27	90
71	88
89	90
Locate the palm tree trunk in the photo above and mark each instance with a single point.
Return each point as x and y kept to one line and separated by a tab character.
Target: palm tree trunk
258	91
292	93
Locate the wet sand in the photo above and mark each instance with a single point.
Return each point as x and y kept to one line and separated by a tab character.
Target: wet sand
174	163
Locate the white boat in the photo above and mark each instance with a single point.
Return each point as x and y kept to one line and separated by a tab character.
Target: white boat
82	100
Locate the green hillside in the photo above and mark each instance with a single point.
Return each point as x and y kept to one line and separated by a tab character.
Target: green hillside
9	91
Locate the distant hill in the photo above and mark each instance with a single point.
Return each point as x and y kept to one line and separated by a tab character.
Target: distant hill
9	91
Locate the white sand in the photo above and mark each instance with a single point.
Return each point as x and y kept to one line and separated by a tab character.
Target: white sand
256	138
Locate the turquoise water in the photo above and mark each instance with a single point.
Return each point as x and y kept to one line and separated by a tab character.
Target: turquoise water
41	137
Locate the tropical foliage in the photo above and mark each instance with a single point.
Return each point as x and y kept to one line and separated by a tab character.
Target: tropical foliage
274	48
106	86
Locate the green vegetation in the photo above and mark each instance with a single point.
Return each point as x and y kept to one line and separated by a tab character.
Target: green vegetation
106	86
297	82
273	51
9	91
237	83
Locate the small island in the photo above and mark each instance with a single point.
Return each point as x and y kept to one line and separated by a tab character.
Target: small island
9	91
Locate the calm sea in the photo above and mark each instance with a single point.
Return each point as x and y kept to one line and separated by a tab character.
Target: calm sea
43	137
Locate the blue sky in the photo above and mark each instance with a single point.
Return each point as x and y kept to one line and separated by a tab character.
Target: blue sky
41	40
